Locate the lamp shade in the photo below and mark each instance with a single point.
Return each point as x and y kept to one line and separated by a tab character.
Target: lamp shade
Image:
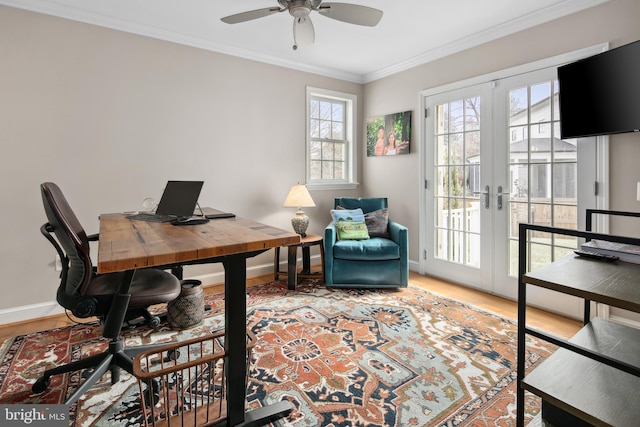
299	197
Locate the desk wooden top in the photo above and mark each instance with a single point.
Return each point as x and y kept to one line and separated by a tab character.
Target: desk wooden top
127	244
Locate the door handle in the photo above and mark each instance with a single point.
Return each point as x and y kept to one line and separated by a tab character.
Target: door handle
486	194
499	195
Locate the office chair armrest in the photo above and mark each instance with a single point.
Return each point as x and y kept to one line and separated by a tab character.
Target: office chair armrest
93	237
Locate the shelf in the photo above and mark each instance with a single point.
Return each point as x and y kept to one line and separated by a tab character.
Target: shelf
595	376
585	388
612	283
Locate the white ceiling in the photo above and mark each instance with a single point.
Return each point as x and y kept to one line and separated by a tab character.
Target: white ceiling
410	33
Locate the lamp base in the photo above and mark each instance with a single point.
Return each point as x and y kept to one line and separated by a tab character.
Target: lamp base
300	222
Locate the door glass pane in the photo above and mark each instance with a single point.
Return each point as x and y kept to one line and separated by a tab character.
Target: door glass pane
457	173
543	171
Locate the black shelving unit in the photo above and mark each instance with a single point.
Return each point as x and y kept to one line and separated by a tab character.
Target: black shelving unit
594	377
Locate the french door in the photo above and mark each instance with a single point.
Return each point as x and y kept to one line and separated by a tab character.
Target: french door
494	158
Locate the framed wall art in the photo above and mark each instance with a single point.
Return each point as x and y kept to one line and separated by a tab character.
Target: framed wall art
389	135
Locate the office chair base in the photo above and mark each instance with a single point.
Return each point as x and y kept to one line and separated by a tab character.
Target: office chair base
115	358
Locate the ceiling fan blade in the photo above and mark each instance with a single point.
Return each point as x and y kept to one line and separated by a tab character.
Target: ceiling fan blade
351	13
303	32
250	15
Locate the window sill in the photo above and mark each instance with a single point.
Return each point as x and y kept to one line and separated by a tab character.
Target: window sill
332	186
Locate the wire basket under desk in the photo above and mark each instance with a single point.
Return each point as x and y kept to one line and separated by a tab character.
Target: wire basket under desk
182	383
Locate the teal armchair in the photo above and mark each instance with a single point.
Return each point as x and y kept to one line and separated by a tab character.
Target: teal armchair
377	262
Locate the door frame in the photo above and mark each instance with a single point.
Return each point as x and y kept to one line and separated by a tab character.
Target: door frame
426	184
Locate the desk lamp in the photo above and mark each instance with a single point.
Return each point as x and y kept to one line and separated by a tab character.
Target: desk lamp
299	197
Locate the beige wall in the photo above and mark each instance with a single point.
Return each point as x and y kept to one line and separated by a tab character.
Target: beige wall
615	22
111	116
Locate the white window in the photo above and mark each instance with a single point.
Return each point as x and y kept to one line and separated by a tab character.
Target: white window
331	130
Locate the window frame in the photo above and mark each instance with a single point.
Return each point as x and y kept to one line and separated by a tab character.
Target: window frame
350	134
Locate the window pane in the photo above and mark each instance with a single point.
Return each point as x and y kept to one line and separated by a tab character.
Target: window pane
456	117
441	212
456	149
337	112
325	110
564	182
519	182
540	255
456	181
518	102
565	151
314	109
315	152
327	170
541	214
339	151
337	130
442	155
539	181
472	116
314	128
315	169
441	188
472	147
325	129
327	151
339	170
472	181
564	216
541	102
473	250
518	212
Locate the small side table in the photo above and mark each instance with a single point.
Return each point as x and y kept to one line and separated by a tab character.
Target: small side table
292	273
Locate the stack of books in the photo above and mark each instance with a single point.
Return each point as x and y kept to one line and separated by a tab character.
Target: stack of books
627	253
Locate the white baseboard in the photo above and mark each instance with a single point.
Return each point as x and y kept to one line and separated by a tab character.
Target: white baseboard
35	311
28	312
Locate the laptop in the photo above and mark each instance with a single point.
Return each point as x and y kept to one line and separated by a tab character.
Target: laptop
178	200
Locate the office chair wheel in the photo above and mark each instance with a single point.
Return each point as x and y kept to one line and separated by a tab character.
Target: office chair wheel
40	385
151	395
172	356
153	322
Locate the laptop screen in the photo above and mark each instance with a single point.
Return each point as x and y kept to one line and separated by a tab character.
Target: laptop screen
179	198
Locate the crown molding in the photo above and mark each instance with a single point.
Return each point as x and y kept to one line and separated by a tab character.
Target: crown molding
550	13
527	21
63	11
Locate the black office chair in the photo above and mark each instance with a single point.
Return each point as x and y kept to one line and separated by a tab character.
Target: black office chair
113	298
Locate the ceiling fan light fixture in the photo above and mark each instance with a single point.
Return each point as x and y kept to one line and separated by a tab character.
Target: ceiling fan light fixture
303	32
299	8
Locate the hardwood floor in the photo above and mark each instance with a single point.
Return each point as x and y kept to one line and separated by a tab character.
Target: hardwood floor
553	323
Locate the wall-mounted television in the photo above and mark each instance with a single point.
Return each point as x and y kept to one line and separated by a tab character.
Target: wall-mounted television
600	95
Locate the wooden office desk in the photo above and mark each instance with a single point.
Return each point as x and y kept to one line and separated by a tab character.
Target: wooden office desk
126	245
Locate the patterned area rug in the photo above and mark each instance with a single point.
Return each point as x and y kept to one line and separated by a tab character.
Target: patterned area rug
341	357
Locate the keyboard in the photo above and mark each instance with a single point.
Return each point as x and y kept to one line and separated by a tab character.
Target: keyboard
152	217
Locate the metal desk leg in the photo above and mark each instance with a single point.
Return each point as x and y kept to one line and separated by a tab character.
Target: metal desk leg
235	346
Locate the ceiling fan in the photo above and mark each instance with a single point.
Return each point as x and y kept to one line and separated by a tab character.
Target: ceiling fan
303	32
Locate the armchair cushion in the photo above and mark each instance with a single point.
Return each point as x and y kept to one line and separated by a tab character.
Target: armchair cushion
378	223
347	215
352	230
374	249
